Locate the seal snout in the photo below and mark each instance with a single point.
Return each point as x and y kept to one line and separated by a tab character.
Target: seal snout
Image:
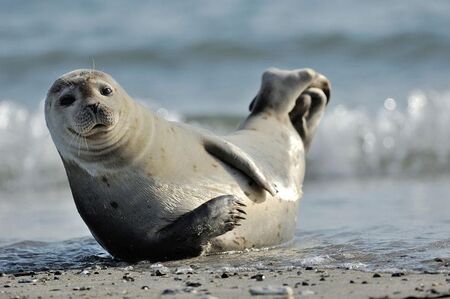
93	107
92	118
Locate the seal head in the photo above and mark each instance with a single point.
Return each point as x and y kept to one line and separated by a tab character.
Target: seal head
82	111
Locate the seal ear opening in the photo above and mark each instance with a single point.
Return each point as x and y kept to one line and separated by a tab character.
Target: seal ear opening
308	112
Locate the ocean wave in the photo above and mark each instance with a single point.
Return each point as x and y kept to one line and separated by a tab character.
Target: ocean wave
398	47
403	142
400	139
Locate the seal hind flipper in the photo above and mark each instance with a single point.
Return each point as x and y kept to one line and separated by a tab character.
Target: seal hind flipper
307	113
302	94
236	157
187	235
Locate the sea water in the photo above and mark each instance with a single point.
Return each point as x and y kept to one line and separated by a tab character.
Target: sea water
376	193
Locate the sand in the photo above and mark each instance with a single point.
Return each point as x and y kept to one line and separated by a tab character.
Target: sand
184	282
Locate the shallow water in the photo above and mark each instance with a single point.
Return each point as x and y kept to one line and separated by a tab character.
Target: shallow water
370	225
377	185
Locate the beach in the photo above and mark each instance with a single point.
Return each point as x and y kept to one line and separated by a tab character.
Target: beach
374	217
191	281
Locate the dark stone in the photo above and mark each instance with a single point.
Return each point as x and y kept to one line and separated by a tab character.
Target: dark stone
193	284
224	275
159	273
168	292
376	275
127	277
258	277
81	289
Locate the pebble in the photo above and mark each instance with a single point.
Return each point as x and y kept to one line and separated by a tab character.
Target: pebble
258	277
398	274
26	281
127	277
81	288
184	270
145	288
168	292
159	273
271	290
190	290
434	291
193	284
376	275
85	272
309	268
225	275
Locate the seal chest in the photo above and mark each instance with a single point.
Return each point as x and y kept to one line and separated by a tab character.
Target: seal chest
152	189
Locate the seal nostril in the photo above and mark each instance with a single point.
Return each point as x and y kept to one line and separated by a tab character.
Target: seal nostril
67	100
94	107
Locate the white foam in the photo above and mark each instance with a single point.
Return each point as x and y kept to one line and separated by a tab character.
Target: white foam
402	138
403	142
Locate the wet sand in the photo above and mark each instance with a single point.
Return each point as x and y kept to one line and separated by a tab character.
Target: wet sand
193	282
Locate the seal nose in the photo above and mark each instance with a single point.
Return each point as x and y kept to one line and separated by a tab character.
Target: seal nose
93	107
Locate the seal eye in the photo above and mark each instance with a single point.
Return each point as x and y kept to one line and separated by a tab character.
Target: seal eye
105	91
67	100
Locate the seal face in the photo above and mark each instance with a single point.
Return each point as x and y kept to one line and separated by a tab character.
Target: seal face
152	189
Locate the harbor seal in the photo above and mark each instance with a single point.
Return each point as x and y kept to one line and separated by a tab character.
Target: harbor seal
151	189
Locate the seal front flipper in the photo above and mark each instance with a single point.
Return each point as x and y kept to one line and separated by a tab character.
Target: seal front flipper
186	235
236	157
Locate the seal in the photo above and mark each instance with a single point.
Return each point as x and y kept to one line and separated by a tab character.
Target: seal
152	189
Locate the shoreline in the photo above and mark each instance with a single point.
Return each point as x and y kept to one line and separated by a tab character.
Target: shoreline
190	281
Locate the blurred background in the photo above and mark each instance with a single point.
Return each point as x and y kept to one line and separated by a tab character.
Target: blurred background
377	185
